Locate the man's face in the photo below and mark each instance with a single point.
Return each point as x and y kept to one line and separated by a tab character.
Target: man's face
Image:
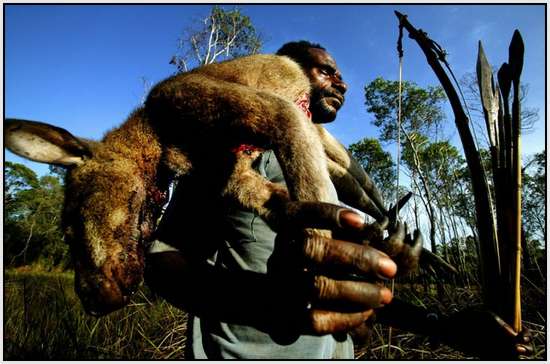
327	86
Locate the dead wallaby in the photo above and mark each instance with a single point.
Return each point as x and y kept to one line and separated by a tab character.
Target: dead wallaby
114	187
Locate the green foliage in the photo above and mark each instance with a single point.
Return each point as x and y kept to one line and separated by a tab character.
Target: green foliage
377	163
421	118
534	197
438	160
16	178
32	223
448	176
223	34
461	197
58	172
420	108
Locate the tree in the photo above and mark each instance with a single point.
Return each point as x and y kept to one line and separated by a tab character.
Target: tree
534	217
534	197
32	227
421	116
377	163
223	34
17	177
421	108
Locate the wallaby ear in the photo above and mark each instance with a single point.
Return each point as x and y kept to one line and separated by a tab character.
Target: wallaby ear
44	143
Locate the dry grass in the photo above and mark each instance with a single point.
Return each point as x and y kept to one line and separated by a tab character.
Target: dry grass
43	320
407	346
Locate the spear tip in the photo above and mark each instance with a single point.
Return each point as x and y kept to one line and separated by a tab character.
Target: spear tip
503	70
516	44
484	79
517	35
515	54
480	52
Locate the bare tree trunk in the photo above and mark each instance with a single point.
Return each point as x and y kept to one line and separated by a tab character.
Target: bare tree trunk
426	188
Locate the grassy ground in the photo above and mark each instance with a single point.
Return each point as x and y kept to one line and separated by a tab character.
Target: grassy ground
406	346
43	320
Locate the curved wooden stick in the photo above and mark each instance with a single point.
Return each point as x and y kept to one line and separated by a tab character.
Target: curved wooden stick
485	224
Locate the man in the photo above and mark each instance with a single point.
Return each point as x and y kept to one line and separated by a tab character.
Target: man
240	308
244	304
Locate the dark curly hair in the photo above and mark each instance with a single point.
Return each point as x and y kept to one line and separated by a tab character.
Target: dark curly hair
299	51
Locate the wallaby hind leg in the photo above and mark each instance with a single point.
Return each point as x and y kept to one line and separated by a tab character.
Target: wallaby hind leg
205	106
249	189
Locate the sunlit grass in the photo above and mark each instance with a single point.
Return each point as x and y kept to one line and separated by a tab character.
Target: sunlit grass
407	346
44	320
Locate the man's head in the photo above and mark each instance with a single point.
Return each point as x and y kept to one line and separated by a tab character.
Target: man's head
327	86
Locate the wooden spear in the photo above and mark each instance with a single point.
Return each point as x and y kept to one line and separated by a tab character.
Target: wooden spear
505	83
499	125
515	60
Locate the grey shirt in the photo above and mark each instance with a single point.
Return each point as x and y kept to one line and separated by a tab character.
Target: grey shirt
247	243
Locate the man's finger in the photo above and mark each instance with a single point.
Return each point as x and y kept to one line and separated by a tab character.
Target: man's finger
525	336
509	330
521	349
352	294
327	322
363	259
319	215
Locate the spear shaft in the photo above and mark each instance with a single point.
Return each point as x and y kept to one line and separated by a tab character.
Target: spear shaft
515	60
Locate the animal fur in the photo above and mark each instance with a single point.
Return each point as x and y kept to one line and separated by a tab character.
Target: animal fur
190	121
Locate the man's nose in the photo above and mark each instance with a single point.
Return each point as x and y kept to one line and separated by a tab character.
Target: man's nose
340	85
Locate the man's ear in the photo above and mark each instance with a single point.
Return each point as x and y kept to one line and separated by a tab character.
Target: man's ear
44	143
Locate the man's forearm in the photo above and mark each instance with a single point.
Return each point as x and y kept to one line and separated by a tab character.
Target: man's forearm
241	297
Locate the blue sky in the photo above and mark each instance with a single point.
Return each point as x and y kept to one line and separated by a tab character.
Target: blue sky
81	66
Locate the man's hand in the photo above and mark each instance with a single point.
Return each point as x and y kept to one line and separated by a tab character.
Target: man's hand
314	284
484	334
338	290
